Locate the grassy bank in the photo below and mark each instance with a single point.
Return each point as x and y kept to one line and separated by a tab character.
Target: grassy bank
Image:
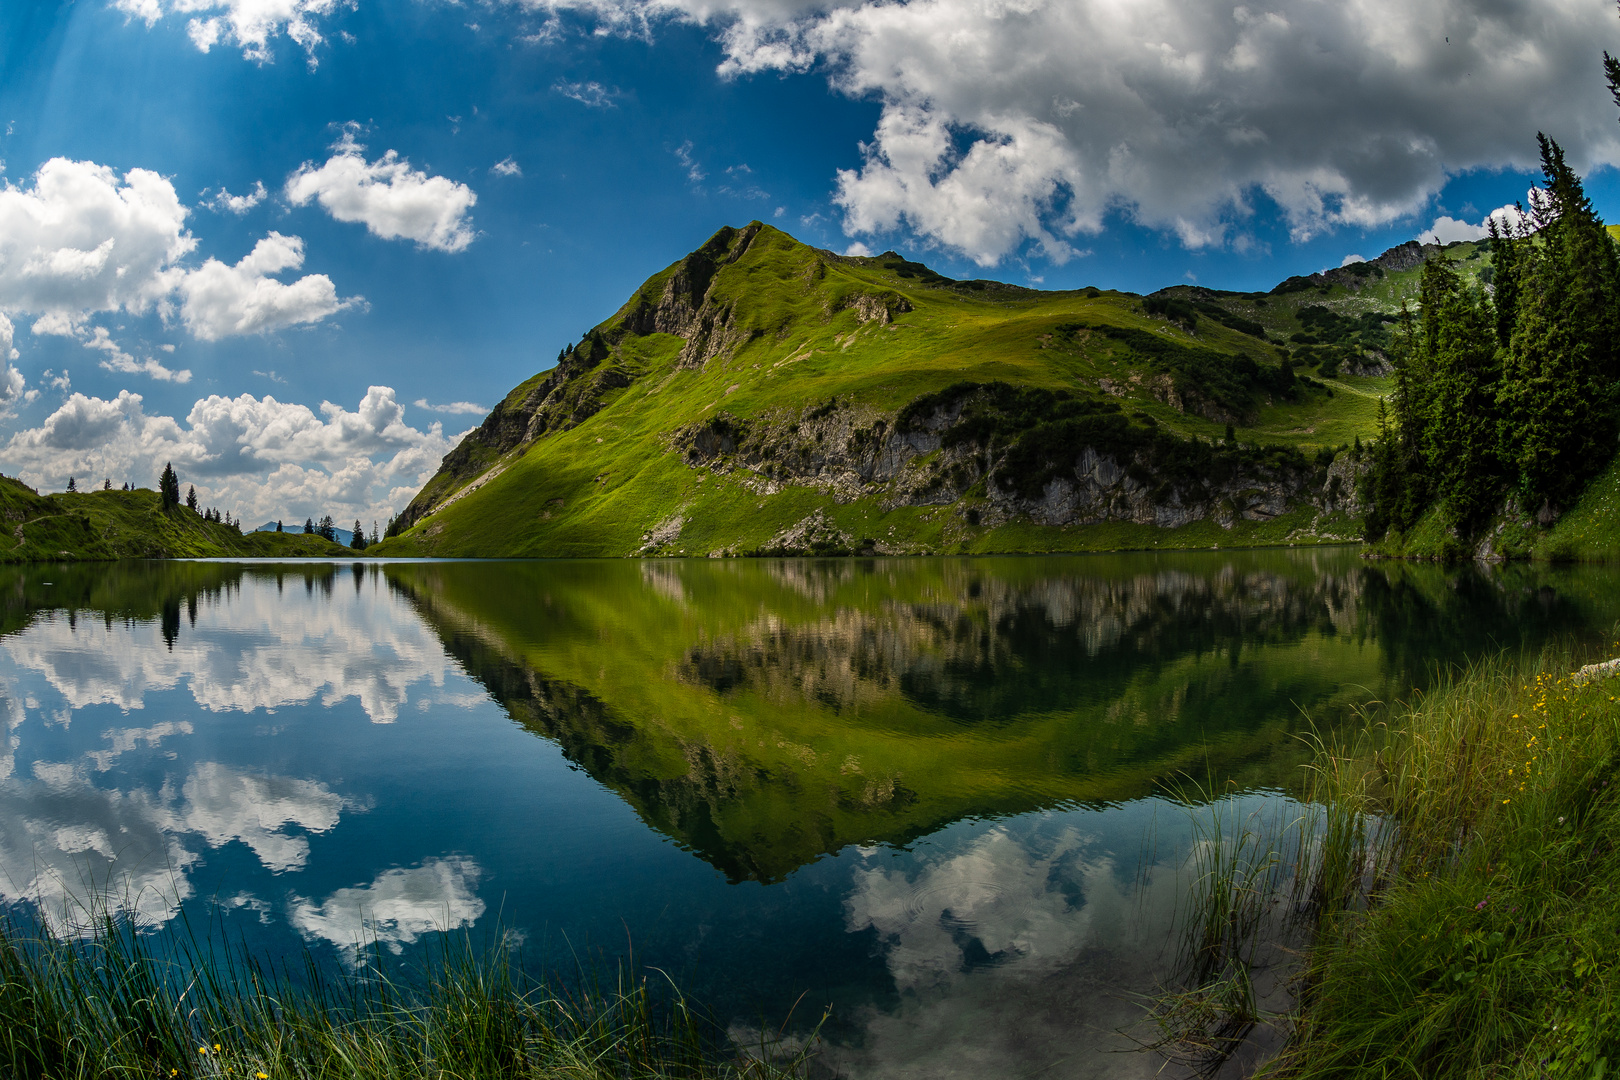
108	1006
1460	882
1589	531
101	525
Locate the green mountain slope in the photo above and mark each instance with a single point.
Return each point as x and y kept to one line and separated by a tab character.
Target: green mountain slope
99	525
761	395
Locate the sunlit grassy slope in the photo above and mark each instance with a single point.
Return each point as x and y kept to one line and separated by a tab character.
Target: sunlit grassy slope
805	330
127	525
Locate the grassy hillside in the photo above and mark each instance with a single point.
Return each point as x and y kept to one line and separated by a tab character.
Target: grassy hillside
754	396
99	525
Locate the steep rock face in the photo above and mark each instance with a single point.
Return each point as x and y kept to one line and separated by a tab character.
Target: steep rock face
933	459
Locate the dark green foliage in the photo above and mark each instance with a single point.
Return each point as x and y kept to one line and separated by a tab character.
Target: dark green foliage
1513	392
327	529
1558	400
169	489
309	525
73	485
191	498
358	539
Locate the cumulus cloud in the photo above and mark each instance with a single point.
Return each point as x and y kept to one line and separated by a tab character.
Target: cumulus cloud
81	239
220	300
256	456
252	24
389	197
13	386
238	204
1025	122
1449	230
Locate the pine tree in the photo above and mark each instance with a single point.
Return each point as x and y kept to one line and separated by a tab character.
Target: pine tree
1459	444
309	526
357	539
106	484
169	489
73	485
278	524
328	529
191	498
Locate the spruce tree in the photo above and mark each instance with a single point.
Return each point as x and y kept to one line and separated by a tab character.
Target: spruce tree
357	539
191	498
168	489
1557	395
309	526
73	485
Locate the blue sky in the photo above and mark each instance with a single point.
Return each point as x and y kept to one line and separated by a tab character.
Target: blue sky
548	155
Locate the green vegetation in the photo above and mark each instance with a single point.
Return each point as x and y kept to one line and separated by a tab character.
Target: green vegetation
107	1005
1506	405
748	399
1455	875
108	524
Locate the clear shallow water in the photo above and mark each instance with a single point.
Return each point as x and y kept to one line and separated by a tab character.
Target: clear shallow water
931	793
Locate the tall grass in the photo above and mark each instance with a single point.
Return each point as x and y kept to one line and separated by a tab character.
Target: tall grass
1458	869
107	1005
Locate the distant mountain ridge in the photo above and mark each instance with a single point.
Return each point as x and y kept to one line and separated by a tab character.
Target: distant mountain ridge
760	395
344	536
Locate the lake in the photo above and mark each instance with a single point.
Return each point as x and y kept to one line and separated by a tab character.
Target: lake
944	797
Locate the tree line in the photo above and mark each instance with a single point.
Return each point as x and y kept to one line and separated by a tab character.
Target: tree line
169	498
1511	393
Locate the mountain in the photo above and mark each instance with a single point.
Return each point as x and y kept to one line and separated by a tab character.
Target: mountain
344	536
764	396
101	525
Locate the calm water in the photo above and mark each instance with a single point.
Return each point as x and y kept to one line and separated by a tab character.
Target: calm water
934	794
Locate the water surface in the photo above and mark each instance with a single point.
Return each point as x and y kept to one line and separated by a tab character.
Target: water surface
937	795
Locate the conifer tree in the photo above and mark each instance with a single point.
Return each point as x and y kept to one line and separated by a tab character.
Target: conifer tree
191	498
309	526
1557	395
168	489
73	485
357	539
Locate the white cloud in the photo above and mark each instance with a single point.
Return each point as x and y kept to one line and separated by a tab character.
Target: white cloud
455	408
389	197
238	204
591	94
397	908
81	239
255	456
506	167
13	386
1351	260
858	248
1450	230
252	24
694	170
225	804
120	361
220	300
1020	122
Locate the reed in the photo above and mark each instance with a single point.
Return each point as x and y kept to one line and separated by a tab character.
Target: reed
1456	872
107	1005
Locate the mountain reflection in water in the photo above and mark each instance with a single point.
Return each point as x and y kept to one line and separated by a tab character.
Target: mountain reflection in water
921	790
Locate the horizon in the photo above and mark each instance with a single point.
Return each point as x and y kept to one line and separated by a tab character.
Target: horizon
301	251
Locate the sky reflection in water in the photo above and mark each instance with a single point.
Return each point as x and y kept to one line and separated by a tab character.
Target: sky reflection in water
918	790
